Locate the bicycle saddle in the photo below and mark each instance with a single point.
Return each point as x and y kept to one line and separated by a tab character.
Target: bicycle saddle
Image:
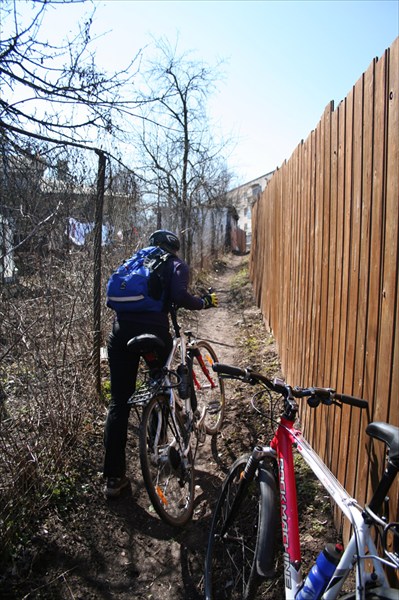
146	342
388	434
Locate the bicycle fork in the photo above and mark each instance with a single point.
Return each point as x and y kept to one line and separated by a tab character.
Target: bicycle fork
213	407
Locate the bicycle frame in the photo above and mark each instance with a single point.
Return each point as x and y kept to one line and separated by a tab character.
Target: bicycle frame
185	346
285	439
181	341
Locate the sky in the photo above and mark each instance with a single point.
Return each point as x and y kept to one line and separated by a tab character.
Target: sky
283	61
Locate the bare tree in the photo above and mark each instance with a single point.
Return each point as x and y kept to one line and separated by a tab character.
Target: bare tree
184	165
56	92
53	95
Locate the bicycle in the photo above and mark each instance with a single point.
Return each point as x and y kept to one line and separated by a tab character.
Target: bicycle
180	402
242	540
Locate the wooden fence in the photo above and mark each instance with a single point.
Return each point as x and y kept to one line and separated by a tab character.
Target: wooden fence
324	265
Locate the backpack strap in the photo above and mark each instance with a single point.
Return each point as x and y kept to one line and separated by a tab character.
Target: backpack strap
161	275
167	274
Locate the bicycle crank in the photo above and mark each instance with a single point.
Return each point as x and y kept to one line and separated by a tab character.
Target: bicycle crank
177	464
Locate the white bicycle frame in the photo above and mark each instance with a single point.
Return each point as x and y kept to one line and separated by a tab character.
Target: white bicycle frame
355	554
181	342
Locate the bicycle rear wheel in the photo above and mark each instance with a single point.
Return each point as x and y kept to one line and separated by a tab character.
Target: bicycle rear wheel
235	559
167	467
209	388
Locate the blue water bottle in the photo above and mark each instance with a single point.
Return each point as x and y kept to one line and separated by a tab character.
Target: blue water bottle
321	573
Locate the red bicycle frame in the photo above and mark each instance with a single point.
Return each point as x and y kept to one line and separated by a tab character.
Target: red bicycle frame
206	372
282	444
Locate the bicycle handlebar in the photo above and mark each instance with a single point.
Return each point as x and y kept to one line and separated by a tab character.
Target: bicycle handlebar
230	371
315	395
352	400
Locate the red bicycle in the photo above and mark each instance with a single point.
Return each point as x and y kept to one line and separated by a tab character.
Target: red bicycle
241	548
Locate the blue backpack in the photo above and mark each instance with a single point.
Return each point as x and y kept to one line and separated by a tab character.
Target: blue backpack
138	284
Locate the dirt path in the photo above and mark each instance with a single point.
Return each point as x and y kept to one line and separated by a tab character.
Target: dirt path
220	326
120	549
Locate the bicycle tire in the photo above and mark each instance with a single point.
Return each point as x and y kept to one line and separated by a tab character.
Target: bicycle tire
209	388
233	564
167	472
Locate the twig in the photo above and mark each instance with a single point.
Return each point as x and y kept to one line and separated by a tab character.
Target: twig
32	233
61	575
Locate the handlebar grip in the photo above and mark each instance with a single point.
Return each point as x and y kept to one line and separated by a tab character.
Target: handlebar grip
352	400
229	370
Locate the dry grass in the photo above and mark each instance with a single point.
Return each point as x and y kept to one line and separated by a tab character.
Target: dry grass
46	389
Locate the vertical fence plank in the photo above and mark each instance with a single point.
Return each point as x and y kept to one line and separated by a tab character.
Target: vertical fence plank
325	197
392	210
312	275
321	235
359	387
388	290
306	277
315	249
392	205
338	307
305	226
318	250
333	296
386	387
332	246
296	313
377	368
301	271
345	314
293	208
286	244
310	279
353	290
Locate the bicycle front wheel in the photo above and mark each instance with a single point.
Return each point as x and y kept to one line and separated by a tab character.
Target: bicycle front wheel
166	462
233	557
208	386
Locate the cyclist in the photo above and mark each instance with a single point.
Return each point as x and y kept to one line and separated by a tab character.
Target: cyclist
124	365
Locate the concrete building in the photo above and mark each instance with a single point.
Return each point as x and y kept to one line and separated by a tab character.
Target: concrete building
243	198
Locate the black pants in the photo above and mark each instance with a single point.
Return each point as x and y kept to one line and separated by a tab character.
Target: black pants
123	370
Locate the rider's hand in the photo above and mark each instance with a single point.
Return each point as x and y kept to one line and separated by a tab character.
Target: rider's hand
210	300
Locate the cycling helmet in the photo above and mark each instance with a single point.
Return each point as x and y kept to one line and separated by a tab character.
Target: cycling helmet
165	239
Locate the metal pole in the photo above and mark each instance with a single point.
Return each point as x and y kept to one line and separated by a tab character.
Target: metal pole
98	225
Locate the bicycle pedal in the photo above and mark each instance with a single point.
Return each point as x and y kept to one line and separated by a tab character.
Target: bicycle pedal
213	408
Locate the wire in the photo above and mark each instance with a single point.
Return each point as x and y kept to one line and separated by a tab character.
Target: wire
273	403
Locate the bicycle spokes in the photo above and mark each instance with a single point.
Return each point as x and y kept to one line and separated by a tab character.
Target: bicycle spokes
166	462
209	389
